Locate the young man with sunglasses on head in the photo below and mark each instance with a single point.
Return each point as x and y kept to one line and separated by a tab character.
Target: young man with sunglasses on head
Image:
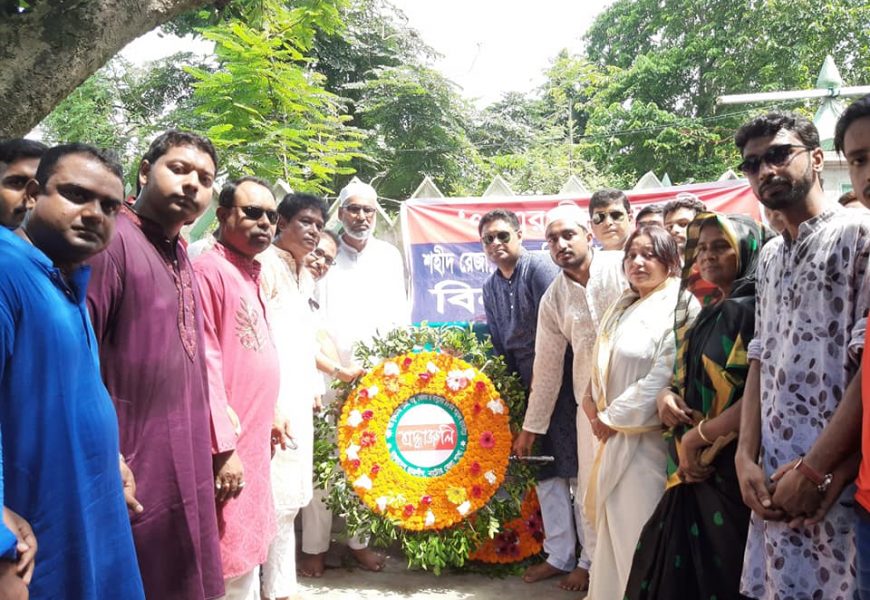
610	218
243	379
364	296
147	316
812	298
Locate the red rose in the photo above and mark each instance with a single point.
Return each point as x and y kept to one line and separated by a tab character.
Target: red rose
407	362
355	463
475	468
486	440
476	491
480	386
426	500
409	510
367	415
376	468
368	438
477	407
363	394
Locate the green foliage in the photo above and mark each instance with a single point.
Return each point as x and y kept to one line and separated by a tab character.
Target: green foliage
266	110
430	550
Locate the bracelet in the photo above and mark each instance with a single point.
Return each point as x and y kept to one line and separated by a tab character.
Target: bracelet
701	432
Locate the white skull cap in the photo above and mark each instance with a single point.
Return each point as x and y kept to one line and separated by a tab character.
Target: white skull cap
567	212
354	189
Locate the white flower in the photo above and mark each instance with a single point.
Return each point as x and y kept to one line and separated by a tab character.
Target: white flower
382	503
352	452
373	391
457	380
490	477
430	519
354	418
464	508
495	406
432	367
391	369
363	482
469	374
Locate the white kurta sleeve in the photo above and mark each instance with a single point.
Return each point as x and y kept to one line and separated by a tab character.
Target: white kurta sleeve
548	369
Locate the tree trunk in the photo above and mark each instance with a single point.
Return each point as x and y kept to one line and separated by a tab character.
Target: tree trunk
48	52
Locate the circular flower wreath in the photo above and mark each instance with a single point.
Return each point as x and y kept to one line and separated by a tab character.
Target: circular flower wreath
398	492
519	539
439	520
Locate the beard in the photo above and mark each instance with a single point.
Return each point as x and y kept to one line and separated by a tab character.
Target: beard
793	192
361	236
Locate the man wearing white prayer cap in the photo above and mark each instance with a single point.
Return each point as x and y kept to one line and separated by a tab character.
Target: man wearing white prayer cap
364	296
568	317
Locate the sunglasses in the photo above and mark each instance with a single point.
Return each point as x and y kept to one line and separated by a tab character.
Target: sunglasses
255	213
321	255
775	156
616	216
356	209
502	236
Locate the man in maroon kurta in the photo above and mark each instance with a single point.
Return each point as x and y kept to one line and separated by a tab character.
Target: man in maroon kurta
243	375
147	316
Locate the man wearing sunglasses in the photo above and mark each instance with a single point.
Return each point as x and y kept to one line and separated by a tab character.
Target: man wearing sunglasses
364	296
610	218
147	317
812	296
243	379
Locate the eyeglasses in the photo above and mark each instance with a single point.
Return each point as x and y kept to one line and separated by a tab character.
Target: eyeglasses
356	209
775	156
255	213
617	216
321	255
502	236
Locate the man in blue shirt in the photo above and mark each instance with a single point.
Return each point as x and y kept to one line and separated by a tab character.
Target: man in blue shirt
59	429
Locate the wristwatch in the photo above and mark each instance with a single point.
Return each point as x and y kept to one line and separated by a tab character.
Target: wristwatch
823	482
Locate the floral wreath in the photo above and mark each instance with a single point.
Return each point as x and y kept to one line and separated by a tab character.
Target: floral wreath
476	440
519	539
441	511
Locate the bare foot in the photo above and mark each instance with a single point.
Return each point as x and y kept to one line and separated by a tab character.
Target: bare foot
368	559
312	565
541	571
576	581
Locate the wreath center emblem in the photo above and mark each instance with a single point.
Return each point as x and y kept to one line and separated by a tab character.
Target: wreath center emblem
427	435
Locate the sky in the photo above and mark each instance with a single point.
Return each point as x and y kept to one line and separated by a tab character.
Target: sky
488	47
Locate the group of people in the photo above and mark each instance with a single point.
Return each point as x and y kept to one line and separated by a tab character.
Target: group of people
696	378
157	400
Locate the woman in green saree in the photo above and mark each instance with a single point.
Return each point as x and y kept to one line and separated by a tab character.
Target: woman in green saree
692	546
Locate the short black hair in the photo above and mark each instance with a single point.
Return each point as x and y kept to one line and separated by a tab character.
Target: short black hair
294	202
171	139
770	124
18	148
685	200
859	109
52	156
227	197
847	198
606	197
499	214
651	209
664	247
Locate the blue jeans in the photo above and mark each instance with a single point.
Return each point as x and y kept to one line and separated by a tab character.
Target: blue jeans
862	541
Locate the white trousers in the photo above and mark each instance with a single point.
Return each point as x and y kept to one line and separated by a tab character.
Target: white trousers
279	571
243	587
317	527
563	524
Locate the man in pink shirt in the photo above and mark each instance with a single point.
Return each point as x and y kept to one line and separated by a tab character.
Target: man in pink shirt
243	378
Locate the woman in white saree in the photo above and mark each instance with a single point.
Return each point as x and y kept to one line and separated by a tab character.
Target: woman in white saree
633	360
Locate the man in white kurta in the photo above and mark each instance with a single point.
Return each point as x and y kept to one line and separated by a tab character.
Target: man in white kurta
288	288
363	297
569	313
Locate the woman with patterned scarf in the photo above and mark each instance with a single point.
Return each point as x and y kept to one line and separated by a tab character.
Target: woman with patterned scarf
692	546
